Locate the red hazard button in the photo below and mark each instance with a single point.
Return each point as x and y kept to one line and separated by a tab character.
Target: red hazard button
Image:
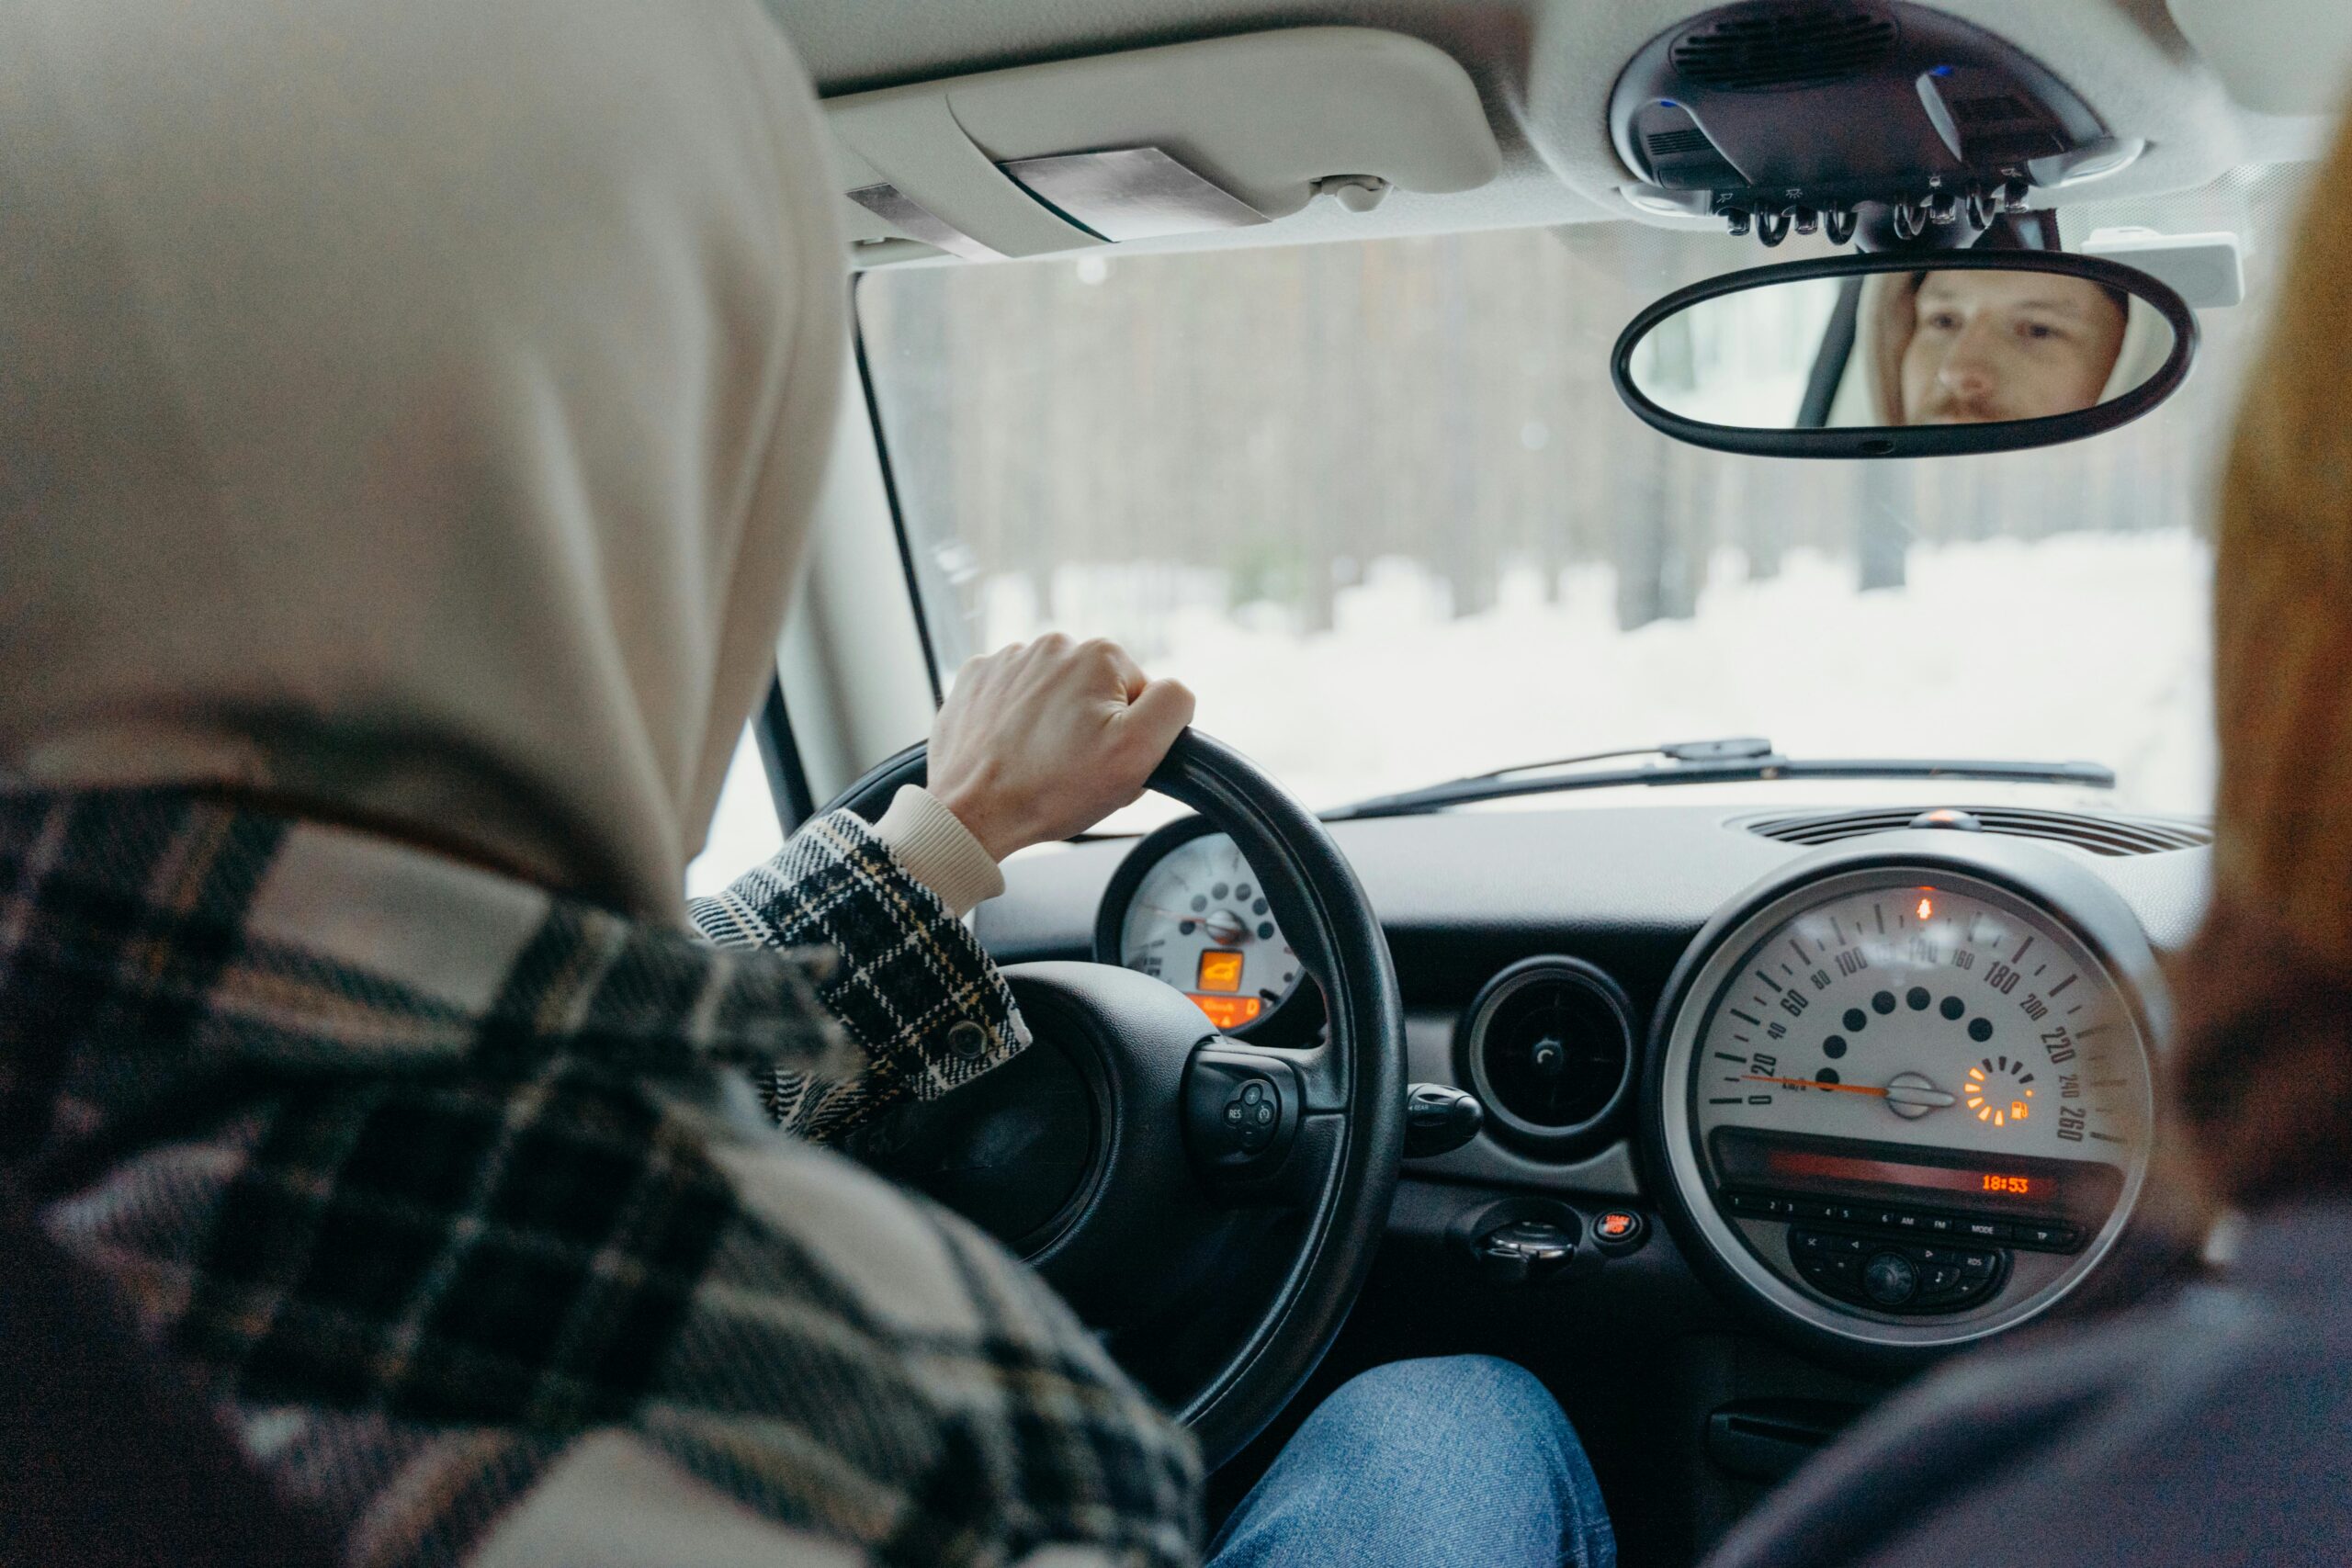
1618	1230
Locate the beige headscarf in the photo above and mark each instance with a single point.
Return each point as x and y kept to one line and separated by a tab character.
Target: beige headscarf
413	412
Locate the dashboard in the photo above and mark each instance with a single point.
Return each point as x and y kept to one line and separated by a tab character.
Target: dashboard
1890	1089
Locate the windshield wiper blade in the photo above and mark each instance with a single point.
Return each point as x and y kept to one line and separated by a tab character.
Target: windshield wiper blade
1736	759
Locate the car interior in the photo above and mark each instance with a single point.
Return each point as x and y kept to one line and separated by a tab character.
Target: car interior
1692	795
1742	1083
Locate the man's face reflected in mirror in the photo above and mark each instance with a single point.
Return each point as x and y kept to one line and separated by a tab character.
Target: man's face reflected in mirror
1996	345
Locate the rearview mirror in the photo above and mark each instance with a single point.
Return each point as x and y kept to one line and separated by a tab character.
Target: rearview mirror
1907	354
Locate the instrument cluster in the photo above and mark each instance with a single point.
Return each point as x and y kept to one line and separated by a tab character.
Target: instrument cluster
1907	1098
1185	908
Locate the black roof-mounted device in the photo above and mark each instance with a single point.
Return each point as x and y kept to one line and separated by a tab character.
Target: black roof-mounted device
1871	120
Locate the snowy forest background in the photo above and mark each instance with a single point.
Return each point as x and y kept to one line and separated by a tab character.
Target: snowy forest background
1379	506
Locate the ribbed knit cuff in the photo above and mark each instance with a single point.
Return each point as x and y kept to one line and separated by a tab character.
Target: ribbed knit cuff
938	850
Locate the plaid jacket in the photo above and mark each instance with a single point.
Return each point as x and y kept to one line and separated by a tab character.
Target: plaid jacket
458	1196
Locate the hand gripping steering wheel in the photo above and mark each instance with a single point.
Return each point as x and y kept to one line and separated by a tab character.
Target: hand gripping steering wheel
1210	1206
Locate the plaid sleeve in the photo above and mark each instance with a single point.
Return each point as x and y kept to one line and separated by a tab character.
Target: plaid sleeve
919	999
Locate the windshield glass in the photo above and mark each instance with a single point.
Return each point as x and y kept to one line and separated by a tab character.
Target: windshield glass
1380	506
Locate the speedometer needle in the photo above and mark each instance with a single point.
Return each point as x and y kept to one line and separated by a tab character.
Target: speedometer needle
1903	1094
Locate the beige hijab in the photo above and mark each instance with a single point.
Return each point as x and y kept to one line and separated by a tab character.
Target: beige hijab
413	411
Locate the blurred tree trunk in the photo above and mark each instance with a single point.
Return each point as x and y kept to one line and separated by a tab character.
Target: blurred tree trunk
1647	550
1883	526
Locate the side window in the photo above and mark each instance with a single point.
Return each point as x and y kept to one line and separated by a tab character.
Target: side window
745	832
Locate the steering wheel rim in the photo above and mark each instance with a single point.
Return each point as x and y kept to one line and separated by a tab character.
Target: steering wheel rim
1331	923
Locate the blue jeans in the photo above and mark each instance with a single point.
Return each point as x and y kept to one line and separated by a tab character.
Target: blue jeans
1425	1464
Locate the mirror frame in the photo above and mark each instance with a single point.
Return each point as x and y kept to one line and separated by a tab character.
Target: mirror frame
1919	440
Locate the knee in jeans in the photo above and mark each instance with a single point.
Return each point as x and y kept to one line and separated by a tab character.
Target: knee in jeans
1458	1404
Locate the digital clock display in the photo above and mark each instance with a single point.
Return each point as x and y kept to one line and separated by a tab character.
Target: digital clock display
1845	1168
1781	1164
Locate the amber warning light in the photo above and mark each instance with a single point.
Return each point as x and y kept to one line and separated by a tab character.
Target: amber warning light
1220	970
1926	910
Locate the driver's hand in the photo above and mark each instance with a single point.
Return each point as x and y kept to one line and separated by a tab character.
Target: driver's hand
1043	740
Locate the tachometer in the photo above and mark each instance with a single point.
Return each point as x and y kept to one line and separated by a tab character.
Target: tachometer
1186	909
1913	1096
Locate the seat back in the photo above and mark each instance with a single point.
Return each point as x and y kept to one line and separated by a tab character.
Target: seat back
108	1455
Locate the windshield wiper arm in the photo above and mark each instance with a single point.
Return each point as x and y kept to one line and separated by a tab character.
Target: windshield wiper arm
1730	761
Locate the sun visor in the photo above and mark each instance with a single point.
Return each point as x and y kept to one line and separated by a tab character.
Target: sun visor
1180	138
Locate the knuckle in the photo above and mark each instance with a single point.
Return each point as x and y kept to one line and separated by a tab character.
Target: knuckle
1139	747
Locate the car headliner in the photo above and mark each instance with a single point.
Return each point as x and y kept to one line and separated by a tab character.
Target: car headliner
1544	69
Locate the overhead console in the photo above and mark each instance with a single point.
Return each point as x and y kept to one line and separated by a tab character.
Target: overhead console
1186	138
1874	119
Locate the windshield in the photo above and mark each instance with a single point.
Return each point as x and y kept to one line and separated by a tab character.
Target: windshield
1379	506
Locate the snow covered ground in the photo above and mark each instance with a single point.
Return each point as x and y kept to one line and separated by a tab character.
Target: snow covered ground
2085	645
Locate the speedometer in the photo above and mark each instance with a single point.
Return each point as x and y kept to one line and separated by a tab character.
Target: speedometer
1912	1103
1186	909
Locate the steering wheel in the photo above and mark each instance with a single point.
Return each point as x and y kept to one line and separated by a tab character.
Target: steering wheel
1210	1206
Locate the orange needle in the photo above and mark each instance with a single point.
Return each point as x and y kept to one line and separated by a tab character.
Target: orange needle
1809	1083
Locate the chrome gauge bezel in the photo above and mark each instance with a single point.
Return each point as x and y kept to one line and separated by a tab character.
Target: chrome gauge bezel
1295	1016
2037	882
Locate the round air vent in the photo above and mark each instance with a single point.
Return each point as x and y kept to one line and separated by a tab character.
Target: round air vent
1548	1046
1800	45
